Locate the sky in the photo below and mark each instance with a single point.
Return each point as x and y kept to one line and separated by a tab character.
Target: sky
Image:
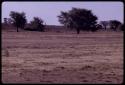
48	11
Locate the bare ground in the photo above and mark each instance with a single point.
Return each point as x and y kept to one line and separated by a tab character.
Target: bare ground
50	57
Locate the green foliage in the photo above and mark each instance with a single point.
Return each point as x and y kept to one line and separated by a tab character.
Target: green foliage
79	19
18	19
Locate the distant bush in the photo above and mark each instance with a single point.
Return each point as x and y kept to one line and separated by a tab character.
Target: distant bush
104	24
36	25
115	24
122	27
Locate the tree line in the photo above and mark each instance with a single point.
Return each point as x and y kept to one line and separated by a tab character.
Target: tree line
76	18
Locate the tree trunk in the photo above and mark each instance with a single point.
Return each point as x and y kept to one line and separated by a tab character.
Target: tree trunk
78	30
105	27
17	29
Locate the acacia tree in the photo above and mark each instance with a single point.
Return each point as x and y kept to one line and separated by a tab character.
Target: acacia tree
37	24
80	19
18	19
104	24
114	24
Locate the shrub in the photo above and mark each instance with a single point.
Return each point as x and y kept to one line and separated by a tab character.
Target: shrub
36	25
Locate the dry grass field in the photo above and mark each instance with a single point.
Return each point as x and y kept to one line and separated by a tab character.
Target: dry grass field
52	57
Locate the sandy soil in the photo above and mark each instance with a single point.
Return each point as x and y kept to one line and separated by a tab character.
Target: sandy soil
50	57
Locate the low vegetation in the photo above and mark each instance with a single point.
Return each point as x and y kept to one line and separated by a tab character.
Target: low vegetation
36	25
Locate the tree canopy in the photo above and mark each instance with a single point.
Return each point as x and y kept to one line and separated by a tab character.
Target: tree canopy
104	24
36	24
114	24
18	19
80	19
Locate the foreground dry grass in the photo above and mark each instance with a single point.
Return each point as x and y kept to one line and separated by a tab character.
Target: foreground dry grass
35	57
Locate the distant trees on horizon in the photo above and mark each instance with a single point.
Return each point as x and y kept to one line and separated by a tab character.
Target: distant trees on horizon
115	24
36	25
76	18
111	24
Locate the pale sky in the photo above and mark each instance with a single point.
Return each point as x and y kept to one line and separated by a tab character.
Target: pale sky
49	11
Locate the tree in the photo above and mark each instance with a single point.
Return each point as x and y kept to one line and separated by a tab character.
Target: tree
19	19
5	21
98	26
36	24
122	27
104	24
80	19
9	21
114	24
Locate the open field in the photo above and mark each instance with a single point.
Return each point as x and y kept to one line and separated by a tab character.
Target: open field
52	57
